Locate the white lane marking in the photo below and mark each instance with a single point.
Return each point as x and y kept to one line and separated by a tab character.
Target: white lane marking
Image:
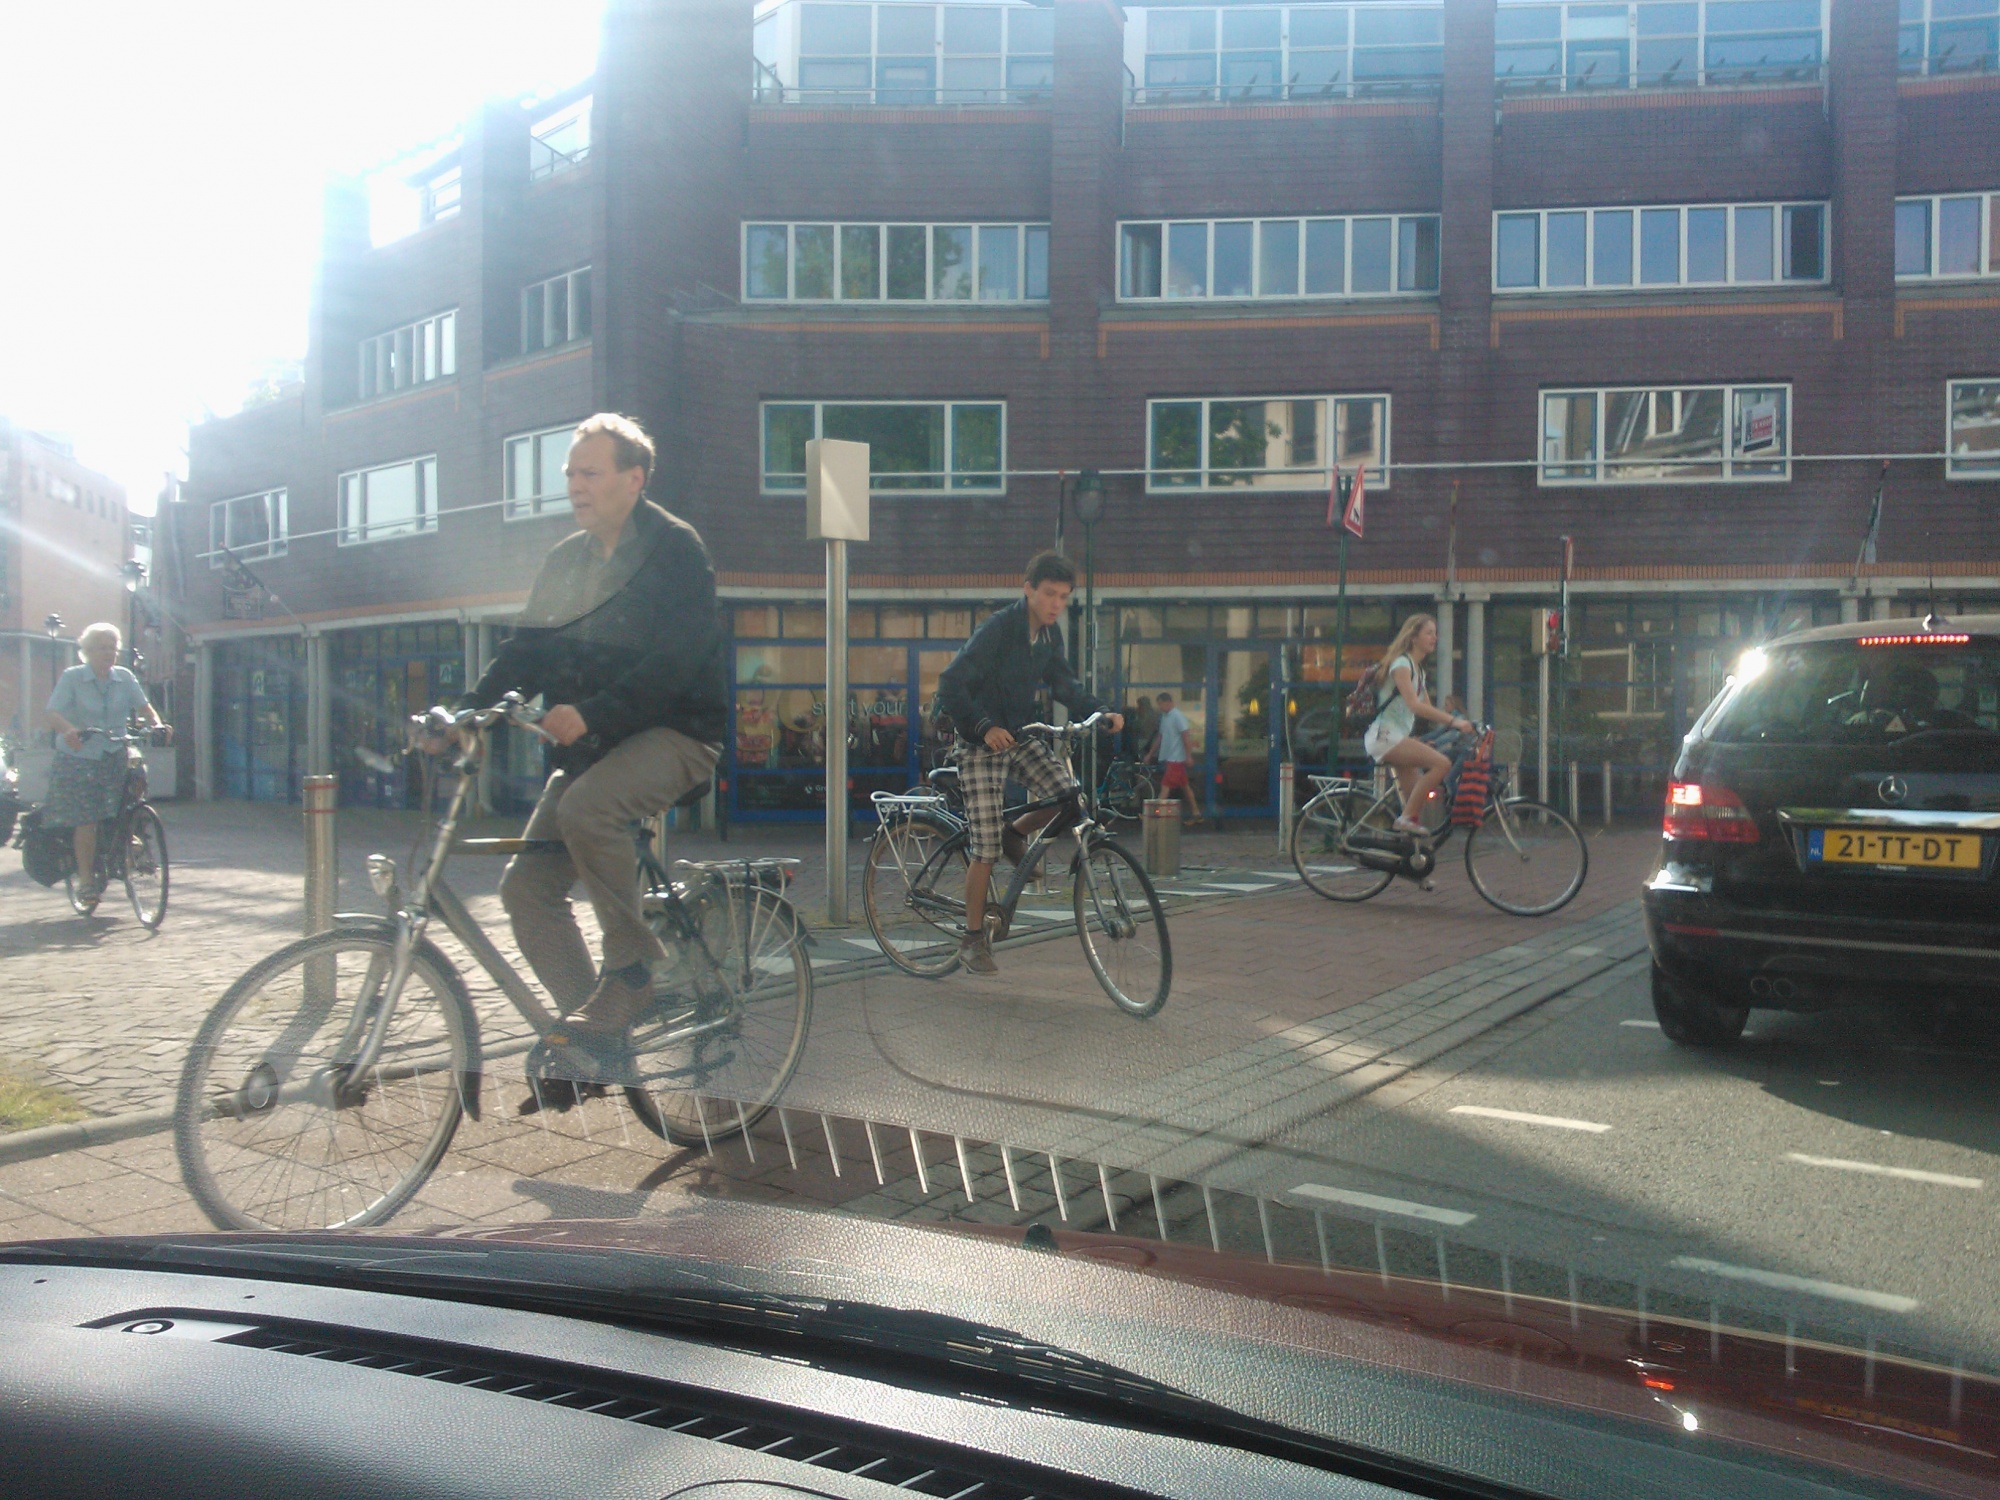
1234	885
1908	1174
1649	1025
1277	874
1165	890
1384	1205
1582	950
1883	1301
1519	1118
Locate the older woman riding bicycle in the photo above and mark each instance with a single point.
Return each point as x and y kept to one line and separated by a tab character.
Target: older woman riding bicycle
1400	702
87	780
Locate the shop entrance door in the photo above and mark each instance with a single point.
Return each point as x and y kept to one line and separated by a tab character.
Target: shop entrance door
1241	770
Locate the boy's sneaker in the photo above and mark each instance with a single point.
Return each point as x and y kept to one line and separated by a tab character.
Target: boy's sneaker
975	955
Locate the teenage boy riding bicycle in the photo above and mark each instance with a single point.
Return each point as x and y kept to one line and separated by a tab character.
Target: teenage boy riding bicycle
989	690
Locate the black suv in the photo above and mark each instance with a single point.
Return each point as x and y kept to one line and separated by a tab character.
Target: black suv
1832	829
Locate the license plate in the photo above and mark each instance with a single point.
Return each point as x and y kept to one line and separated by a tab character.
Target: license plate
1914	849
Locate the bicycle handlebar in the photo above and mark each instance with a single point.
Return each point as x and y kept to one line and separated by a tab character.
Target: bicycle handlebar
441	721
1075	726
144	737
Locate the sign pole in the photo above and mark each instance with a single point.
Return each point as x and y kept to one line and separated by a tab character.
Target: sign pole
836	513
837	810
1340	642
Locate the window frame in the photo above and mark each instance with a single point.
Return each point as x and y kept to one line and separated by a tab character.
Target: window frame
1919	65
1352	51
1400	224
570	282
549	161
531	507
1988	470
440	195
1600	462
379	372
1024	232
1378	474
780	62
1779	232
276	503
425	523
1630	40
948	405
1989	228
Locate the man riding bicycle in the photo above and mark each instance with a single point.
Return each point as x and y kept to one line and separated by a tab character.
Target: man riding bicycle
989	691
621	640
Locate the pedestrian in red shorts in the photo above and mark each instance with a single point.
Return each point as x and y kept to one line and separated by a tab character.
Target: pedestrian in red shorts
1174	746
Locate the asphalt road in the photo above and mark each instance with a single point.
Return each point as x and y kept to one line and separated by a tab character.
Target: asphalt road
1836	1174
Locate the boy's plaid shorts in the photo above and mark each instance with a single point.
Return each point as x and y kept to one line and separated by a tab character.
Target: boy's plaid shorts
983	775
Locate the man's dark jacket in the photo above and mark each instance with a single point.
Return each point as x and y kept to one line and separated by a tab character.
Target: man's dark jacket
995	679
651	654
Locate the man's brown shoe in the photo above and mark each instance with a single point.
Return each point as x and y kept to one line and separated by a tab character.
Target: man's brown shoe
613	1006
975	955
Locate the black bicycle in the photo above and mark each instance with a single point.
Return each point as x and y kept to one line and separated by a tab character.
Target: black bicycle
131	844
913	887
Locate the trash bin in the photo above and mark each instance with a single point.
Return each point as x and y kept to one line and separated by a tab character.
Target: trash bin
1162	819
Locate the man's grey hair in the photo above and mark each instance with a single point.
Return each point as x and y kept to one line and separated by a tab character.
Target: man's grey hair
103	630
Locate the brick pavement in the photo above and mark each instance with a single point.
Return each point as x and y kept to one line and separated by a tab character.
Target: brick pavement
1294	998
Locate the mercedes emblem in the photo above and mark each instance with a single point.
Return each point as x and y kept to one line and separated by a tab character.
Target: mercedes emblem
1892	790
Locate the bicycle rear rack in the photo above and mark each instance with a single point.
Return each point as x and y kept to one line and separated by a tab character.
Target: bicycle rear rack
887	803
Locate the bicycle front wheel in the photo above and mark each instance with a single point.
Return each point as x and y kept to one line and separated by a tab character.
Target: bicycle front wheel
271	1131
737	1006
913	889
145	857
1526	858
1123	929
1322	856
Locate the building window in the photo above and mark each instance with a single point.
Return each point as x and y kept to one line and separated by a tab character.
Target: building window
555	311
251	526
1671	435
390	501
1265	442
1954	235
559	142
1284	52
415	354
1972	437
1705	244
535	481
437	197
895	262
914	447
1587	45
1949	36
904	54
1239	259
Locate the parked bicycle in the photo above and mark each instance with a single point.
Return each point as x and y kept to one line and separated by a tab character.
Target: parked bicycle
1124	789
131	844
1522	856
326	1084
913	888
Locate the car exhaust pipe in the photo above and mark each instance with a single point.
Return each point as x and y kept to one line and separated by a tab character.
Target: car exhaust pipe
1761	987
1784	989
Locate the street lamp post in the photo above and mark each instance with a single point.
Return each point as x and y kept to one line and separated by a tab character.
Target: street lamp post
135	575
1089	510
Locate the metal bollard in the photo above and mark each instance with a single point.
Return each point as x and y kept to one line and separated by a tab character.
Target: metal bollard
1162	817
1288	804
1607	794
1575	800
322	852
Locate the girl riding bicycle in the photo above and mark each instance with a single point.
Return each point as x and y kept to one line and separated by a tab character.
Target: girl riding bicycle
1400	701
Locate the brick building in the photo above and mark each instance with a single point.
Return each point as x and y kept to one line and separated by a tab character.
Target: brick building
65	536
1664	278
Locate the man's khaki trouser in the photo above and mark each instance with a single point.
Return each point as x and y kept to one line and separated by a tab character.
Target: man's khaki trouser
592	812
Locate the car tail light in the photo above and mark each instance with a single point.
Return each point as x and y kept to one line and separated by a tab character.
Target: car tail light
1713	813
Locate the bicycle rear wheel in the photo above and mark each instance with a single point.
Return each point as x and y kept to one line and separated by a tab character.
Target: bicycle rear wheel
913	889
1526	858
1123	929
1322	856
268	1135
729	1038
145	860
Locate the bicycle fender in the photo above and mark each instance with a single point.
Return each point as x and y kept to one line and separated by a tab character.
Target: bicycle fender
470	1082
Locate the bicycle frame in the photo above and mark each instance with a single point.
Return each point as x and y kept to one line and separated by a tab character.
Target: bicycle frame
1496	803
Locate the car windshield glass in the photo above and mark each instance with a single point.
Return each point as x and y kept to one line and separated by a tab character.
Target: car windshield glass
1154	677
1844	693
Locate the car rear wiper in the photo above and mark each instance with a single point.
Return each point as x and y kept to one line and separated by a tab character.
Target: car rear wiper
911	1348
